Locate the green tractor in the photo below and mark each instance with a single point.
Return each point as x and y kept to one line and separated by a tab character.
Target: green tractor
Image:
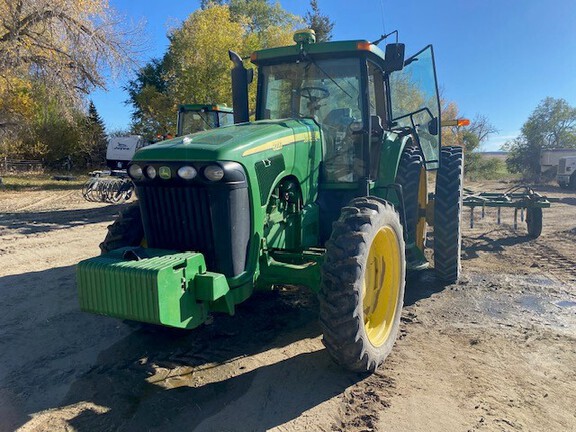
201	117
327	188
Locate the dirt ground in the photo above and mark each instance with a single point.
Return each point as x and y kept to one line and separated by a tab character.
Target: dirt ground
496	352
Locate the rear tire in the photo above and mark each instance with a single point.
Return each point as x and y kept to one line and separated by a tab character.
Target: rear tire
534	221
362	288
127	230
412	177
448	214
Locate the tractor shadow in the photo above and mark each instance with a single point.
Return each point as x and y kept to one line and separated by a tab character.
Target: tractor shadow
259	399
420	285
212	374
155	379
36	222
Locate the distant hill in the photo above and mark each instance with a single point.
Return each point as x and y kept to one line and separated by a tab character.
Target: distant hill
494	154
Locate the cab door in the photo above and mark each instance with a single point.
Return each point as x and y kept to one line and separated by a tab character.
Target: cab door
415	103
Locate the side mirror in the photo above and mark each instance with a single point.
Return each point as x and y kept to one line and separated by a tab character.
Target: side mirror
394	57
433	126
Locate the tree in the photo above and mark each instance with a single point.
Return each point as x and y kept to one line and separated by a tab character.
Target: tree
481	127
551	125
52	54
321	24
154	109
196	66
95	142
64	43
199	63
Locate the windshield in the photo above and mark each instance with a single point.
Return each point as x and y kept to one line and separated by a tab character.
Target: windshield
195	121
327	91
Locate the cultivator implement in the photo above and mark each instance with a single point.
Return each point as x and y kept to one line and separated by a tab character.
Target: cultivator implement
112	187
526	203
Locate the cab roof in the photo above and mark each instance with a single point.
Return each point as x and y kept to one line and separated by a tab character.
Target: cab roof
205	107
350	47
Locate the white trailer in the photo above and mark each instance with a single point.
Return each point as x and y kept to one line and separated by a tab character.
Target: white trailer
121	149
567	172
550	159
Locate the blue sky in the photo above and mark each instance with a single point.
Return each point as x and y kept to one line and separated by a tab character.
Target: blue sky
499	58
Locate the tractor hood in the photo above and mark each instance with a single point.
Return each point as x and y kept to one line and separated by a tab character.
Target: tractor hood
231	142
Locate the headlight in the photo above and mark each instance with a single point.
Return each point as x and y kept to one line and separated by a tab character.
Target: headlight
151	172
187	172
135	171
214	172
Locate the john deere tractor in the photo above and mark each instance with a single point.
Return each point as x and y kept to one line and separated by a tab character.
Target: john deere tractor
201	117
326	188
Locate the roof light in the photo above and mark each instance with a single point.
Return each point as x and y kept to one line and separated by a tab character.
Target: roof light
364	46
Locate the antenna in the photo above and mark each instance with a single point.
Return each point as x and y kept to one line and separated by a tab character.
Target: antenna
382	13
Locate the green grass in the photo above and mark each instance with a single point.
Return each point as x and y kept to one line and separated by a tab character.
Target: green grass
38	182
488	169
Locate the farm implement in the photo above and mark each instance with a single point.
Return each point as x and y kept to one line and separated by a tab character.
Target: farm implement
112	187
525	202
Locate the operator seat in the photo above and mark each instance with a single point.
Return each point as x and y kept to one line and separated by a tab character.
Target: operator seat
335	121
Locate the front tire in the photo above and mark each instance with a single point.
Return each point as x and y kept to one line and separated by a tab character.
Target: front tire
362	288
127	230
448	214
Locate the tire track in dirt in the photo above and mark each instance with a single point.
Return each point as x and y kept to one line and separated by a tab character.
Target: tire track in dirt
559	265
36	203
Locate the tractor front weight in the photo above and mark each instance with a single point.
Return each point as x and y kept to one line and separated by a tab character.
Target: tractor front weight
154	286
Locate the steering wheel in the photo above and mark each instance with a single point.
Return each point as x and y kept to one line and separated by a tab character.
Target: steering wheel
307	93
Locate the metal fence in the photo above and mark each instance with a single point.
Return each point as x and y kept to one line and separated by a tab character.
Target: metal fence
12	166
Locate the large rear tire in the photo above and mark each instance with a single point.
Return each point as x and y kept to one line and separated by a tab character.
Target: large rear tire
412	177
362	289
127	230
448	214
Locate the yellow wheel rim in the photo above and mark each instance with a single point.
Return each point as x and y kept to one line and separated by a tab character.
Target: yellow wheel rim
381	286
422	203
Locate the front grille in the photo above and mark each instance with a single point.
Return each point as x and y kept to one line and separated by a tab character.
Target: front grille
211	219
562	166
178	217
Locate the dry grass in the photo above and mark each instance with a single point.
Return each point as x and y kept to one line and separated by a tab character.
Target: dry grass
39	181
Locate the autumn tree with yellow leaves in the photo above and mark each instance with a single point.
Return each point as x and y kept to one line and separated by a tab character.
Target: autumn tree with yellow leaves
196	66
52	54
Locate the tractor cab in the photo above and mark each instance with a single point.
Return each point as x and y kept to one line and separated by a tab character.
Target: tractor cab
355	92
367	103
201	117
